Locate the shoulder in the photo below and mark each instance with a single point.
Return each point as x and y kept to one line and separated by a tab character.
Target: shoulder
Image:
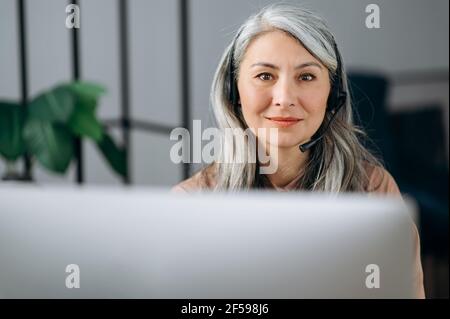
380	181
204	179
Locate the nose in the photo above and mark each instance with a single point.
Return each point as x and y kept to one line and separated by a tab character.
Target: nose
284	93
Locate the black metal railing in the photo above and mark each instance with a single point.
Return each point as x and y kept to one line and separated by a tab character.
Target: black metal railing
23	67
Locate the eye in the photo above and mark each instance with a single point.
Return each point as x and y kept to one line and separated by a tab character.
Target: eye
264	76
307	77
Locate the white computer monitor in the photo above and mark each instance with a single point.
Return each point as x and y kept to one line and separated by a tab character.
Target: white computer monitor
104	242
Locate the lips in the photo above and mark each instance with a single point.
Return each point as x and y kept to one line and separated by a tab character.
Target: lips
278	118
284	121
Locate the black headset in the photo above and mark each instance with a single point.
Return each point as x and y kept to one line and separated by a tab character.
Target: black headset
336	99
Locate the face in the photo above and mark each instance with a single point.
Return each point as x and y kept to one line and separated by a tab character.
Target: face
281	85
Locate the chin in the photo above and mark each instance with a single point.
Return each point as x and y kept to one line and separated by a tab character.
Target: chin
287	139
287	143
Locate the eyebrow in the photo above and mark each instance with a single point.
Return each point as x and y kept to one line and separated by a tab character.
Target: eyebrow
300	66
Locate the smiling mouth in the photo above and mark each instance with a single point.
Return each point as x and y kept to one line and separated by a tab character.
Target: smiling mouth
284	121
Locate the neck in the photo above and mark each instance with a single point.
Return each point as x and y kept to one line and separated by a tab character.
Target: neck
291	161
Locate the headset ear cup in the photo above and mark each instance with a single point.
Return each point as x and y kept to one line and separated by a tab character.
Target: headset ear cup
228	82
332	98
230	76
233	93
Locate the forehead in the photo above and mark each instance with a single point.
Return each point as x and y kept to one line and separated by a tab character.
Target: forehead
276	47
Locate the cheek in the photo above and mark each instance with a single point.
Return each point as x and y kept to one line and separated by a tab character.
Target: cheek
315	101
253	102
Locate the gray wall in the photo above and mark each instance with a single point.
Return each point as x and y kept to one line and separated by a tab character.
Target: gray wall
413	37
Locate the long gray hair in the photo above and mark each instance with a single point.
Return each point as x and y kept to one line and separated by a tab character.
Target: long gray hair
336	162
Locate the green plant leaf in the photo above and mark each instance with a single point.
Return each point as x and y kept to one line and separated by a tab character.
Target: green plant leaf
83	121
115	156
86	89
12	119
50	143
55	105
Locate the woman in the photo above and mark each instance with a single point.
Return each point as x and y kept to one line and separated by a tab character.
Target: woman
283	70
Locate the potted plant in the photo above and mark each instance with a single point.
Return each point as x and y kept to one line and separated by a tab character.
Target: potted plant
46	129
